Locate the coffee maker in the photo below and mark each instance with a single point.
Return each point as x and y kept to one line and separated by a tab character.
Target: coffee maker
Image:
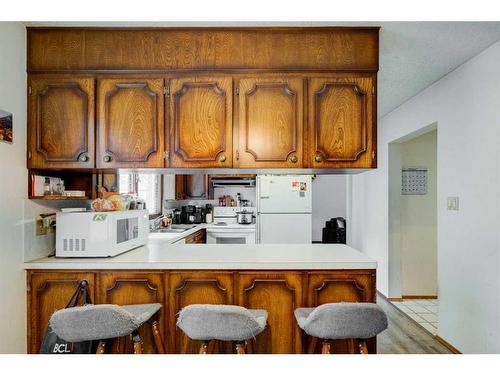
334	231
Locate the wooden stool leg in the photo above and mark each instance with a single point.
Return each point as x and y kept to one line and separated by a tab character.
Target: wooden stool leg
160	348
101	347
204	347
251	346
351	346
240	348
137	343
362	347
211	346
312	345
326	347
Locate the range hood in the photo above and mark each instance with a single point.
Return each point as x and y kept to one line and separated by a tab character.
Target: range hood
221	182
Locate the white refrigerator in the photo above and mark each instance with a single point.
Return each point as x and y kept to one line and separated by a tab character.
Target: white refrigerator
284	209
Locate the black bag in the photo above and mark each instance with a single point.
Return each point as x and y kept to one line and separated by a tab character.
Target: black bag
52	344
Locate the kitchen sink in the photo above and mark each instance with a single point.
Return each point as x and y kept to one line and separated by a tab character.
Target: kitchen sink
175	228
170	230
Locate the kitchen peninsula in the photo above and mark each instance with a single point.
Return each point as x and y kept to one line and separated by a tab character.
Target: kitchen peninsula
278	278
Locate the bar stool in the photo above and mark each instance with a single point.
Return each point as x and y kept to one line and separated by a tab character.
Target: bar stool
335	321
102	322
223	323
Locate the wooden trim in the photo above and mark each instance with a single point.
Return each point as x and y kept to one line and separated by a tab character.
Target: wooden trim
448	346
419	297
393	299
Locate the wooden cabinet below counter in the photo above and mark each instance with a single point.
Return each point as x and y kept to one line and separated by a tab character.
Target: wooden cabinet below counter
280	292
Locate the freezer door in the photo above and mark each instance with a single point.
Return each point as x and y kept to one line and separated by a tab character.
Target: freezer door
285	228
284	194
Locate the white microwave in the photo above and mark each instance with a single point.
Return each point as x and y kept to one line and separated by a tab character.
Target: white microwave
100	234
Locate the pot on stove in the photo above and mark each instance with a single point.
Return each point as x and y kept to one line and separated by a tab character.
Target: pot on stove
244	217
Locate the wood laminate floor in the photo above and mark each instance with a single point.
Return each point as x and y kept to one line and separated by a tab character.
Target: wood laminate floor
404	336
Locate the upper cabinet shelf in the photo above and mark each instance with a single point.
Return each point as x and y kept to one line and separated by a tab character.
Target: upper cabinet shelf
202	98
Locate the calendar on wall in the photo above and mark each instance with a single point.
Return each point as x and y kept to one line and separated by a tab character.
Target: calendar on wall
414	181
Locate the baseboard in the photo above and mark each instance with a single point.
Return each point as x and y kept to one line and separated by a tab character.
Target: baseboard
448	346
394	299
419	297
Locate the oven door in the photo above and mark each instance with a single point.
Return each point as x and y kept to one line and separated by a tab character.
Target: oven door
234	237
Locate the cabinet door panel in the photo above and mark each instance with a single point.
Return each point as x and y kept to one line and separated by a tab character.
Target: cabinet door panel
341	286
48	292
191	186
342	125
129	289
188	288
61	122
280	294
130	123
270	123
201	122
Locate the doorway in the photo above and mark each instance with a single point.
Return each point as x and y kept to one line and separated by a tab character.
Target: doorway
413	258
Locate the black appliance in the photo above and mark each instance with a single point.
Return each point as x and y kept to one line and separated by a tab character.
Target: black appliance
190	210
334	231
177	217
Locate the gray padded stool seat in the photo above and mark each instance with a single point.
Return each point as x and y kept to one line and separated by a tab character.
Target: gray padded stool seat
101	322
221	322
333	321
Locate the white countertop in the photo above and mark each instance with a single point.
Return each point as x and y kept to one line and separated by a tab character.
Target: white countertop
161	254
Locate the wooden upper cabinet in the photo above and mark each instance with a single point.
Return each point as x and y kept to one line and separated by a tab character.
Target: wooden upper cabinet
270	123
130	129
201	122
61	122
341	122
191	186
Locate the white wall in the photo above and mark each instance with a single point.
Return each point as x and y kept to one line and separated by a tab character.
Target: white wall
328	200
419	220
466	106
13	188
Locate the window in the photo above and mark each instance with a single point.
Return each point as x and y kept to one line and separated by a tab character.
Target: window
144	186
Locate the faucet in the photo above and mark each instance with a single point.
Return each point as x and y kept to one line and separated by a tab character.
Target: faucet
155	224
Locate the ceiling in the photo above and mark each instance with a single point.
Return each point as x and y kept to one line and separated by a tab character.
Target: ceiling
413	55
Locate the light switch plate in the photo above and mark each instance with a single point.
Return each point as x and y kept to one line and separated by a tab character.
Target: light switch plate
452	203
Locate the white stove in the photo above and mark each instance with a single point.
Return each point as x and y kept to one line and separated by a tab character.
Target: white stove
226	230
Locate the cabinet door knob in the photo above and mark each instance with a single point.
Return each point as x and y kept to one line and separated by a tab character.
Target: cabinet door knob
106	158
222	159
293	159
318	158
83	157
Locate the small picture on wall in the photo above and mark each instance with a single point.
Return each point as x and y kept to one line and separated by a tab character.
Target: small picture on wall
5	126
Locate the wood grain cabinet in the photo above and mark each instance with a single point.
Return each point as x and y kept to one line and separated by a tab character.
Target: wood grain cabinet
270	122
60	122
191	186
340	286
188	288
128	288
48	292
130	123
280	294
201	113
342	129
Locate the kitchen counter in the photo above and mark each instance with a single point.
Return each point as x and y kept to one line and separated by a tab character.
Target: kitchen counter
160	253
277	278
174	237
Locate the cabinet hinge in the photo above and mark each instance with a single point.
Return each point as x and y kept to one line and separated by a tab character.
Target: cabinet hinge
237	154
237	91
166	91
373	155
166	155
29	154
29	90
373	90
